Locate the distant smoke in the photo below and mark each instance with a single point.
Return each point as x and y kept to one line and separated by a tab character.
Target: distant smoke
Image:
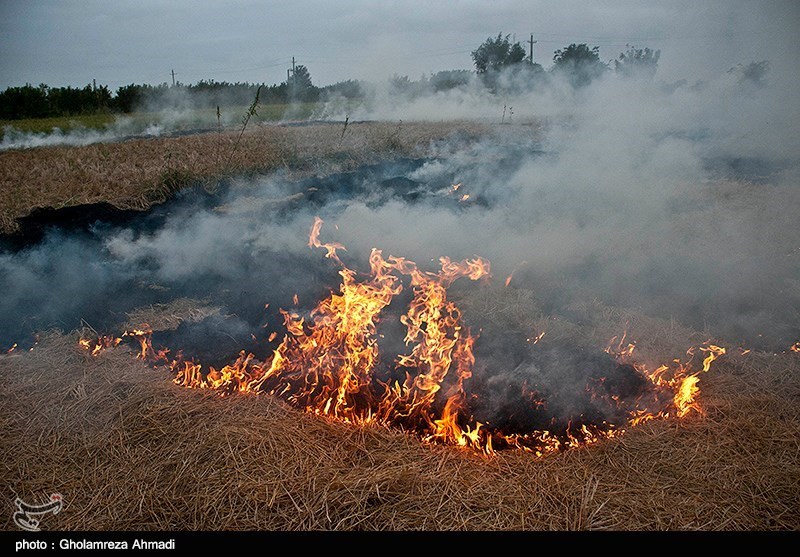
120	130
679	200
174	112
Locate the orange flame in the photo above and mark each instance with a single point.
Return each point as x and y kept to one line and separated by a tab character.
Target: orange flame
537	338
328	362
622	350
104	342
712	353
511	276
327	365
98	345
681	380
685	397
143	335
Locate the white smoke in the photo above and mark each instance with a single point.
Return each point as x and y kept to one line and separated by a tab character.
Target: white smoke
77	136
679	199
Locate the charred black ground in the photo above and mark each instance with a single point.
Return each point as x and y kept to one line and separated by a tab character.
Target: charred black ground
73	279
61	269
94	265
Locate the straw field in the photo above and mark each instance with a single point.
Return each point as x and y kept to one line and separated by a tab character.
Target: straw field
130	450
138	173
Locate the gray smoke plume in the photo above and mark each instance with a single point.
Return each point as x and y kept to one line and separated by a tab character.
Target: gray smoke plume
678	199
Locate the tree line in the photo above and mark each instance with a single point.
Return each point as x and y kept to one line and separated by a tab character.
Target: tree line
580	64
499	63
44	101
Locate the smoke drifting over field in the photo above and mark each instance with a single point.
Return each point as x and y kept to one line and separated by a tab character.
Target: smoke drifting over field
169	116
680	199
120	130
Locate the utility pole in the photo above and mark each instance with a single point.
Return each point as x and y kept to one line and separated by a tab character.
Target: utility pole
290	75
532	42
294	74
173	78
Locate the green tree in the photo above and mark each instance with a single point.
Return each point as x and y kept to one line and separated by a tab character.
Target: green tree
301	78
128	96
637	62
350	89
400	83
450	79
497	53
25	102
300	86
579	63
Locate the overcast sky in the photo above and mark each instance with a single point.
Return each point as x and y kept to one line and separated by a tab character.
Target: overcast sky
116	42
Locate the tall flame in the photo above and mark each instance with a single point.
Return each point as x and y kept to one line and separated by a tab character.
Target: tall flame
329	363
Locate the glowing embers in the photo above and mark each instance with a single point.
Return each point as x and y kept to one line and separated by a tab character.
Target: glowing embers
336	362
142	336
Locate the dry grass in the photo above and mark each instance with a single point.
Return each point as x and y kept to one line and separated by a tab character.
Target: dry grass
138	173
130	450
165	317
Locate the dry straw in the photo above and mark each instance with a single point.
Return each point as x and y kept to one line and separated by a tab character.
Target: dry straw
139	173
130	450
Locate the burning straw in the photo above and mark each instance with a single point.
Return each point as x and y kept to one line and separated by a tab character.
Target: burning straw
131	451
330	364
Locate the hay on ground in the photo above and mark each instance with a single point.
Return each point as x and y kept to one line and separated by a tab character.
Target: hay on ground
129	450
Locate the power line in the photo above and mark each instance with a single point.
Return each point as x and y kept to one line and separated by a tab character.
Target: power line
253	68
660	39
233	70
407	56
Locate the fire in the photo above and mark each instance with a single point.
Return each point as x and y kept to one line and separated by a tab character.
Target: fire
685	397
537	338
142	335
510	277
329	362
95	346
712	353
622	350
682	381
